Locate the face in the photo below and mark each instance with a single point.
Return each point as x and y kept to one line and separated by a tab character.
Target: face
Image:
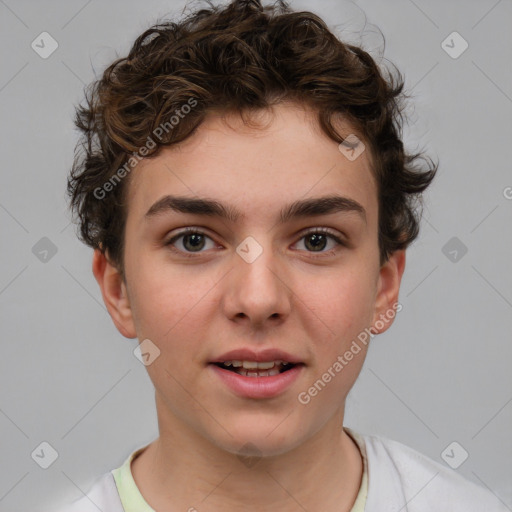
265	271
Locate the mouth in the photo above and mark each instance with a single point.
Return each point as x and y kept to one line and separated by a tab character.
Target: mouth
257	379
257	368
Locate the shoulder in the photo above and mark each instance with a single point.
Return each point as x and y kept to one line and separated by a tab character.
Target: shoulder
406	478
102	495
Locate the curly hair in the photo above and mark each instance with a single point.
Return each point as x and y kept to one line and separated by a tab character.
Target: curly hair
240	57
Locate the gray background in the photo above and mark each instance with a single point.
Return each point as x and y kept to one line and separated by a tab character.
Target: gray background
440	374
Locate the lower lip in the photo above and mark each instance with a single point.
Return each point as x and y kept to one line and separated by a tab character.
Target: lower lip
258	387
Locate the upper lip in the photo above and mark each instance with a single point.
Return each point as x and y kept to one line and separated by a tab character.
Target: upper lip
246	354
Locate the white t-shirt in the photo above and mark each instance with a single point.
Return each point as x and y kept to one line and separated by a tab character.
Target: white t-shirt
396	478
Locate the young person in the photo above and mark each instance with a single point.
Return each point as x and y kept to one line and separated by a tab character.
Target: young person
249	200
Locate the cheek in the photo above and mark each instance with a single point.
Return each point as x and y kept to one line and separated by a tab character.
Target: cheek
169	304
343	303
154	306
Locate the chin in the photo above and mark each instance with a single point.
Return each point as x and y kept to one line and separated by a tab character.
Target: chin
258	438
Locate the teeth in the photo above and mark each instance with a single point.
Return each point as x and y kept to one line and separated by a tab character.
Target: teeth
254	365
269	373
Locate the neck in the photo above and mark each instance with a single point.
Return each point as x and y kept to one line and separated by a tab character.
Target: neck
186	471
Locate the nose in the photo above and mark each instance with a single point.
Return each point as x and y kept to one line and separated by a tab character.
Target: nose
255	292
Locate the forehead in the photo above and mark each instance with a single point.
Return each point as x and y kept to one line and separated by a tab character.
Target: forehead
280	156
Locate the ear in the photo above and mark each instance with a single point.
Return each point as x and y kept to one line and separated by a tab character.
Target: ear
388	287
114	292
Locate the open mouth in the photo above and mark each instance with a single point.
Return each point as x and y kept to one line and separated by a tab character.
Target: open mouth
256	369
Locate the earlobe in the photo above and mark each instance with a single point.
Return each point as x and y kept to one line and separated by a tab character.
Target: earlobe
114	292
386	303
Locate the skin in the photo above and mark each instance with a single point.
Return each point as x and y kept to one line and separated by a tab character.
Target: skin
310	304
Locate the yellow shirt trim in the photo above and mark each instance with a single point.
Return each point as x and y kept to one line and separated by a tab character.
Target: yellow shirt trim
360	502
131	498
133	501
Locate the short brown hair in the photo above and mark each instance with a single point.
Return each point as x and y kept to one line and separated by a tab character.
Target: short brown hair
240	57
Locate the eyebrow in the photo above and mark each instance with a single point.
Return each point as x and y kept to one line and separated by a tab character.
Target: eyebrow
303	208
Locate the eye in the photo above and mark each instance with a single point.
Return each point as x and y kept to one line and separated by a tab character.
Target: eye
317	240
191	240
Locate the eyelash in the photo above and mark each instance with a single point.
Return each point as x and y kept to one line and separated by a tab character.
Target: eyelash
314	231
